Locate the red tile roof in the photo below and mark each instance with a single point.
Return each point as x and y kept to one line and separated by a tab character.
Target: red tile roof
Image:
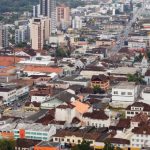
8	60
44	69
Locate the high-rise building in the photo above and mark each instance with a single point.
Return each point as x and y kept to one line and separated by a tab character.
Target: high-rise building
36	10
22	34
77	22
63	15
39	32
4	42
48	8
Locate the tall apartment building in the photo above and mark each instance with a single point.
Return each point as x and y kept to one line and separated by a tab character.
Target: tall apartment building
63	16
77	22
3	36
36	10
22	34
39	32
48	8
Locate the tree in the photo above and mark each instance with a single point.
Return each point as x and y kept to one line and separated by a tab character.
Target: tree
97	89
7	144
60	52
85	145
108	146
135	78
138	58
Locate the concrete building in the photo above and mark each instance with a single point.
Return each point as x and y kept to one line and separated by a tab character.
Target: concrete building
3	36
77	22
63	16
125	93
48	8
39	32
22	34
36	11
34	131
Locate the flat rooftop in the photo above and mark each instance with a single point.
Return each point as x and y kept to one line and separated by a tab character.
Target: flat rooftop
75	78
33	127
125	70
125	85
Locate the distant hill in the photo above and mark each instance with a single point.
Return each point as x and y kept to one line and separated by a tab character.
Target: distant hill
16	5
23	5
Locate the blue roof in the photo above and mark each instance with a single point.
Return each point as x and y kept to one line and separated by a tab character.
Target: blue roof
2	67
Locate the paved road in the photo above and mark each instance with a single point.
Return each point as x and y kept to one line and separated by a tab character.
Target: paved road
122	37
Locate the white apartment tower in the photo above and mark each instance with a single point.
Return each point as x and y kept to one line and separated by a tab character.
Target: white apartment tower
36	10
3	36
22	34
48	8
39	32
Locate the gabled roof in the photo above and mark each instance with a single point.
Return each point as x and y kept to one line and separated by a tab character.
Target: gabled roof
35	104
100	77
80	107
44	69
100	115
145	106
118	141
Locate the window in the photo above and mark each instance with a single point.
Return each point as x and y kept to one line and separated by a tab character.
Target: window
72	141
68	140
123	93
128	112
115	92
129	93
79	141
56	139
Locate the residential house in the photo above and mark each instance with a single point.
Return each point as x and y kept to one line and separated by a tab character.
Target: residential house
63	97
32	106
76	135
96	119
137	108
140	136
101	81
138	119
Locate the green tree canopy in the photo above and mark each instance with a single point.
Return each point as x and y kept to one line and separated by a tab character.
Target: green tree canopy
85	145
7	144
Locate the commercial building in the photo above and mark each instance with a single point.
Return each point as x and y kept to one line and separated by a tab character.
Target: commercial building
125	93
22	34
63	16
34	131
39	32
36	10
48	8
